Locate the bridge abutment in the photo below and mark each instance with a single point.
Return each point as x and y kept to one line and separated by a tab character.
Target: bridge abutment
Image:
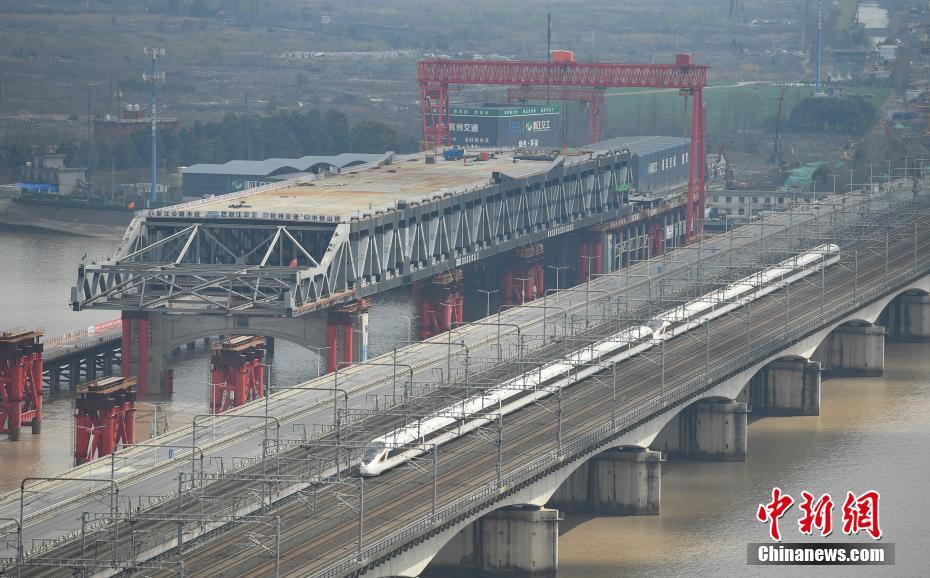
853	350
622	482
521	541
708	430
786	387
909	318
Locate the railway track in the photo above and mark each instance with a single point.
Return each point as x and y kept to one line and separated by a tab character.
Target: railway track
324	528
396	499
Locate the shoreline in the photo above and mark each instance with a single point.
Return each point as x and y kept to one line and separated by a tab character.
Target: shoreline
74	221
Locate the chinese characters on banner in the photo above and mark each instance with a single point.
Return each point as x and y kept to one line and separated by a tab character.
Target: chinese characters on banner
860	513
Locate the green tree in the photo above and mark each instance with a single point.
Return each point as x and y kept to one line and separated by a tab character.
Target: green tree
373	136
336	126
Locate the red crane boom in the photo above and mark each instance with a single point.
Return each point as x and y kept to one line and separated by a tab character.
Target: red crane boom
435	76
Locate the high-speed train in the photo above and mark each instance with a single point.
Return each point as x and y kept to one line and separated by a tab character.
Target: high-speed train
419	437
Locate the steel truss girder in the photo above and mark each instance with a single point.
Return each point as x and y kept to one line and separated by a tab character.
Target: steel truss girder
289	269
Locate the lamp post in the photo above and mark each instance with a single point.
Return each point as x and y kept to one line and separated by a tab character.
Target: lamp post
558	269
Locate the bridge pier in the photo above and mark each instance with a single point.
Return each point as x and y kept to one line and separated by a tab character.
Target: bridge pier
521	541
706	430
785	387
621	482
853	350
440	302
148	338
909	318
340	334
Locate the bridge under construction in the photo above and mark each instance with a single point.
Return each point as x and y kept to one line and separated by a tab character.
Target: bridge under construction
279	474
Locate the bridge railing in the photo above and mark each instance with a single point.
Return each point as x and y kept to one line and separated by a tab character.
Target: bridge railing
83	338
577	449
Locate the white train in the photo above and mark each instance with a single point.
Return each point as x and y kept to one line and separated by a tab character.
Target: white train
419	437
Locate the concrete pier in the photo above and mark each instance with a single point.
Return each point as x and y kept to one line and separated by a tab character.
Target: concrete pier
707	430
909	318
786	387
621	482
853	350
520	541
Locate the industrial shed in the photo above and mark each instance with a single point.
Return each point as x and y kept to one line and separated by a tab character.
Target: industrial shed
203	180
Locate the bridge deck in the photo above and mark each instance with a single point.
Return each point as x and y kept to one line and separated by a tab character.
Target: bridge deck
406	179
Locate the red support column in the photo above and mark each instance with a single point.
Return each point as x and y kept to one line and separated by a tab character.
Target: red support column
440	303
508	286
528	285
237	371
126	349
424	315
332	335
20	382
598	261
540	274
258	382
446	308
143	378
104	416
583	262
348	347
459	307
84	427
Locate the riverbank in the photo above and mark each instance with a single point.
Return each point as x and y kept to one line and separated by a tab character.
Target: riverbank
67	220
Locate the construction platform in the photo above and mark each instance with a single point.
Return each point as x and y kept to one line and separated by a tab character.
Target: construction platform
387	184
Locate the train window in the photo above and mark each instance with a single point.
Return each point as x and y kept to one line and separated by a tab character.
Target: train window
371	451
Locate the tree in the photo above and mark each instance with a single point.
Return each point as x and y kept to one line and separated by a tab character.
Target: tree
336	126
373	136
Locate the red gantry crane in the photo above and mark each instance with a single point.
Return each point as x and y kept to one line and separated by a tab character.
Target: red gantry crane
435	76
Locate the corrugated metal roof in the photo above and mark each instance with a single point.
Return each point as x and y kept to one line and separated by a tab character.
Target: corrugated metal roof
640	144
269	167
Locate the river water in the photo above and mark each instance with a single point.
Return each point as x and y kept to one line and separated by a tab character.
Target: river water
872	433
38	270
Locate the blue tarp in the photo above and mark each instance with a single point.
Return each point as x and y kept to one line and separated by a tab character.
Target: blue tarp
37	187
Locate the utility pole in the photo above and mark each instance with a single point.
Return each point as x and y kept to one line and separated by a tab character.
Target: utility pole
819	40
89	155
154	77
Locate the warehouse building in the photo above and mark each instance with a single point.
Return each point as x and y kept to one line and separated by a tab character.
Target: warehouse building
510	125
659	163
204	180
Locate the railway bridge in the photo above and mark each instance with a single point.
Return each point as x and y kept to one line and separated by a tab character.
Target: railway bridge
300	259
281	473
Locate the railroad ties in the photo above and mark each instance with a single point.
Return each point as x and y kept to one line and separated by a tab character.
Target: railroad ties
237	370
104	417
20	381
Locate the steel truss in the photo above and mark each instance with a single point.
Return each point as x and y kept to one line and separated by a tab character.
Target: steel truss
185	264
